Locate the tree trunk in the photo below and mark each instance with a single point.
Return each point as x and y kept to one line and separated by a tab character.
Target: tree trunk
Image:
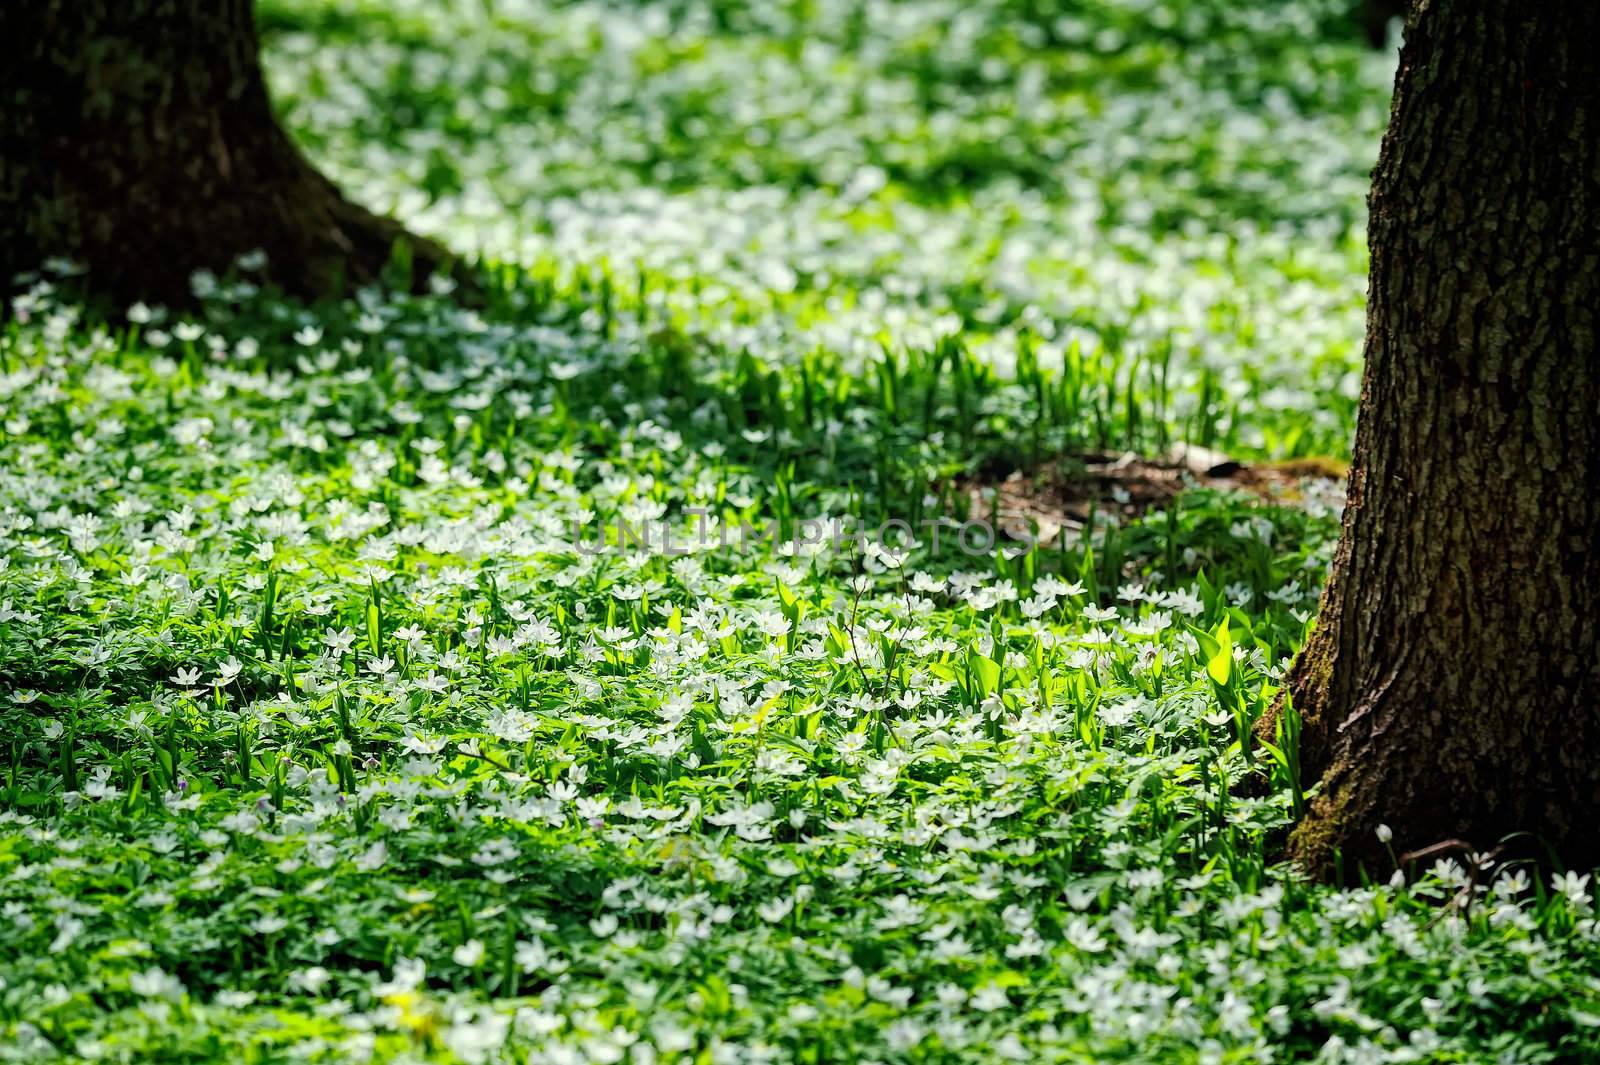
136	139
1451	689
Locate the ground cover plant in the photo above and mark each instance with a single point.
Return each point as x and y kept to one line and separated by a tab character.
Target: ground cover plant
424	678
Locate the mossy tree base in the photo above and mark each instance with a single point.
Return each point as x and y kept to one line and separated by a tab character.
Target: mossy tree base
137	139
1451	689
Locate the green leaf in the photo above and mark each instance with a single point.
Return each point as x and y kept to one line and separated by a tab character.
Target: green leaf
1275	753
987	673
1219	662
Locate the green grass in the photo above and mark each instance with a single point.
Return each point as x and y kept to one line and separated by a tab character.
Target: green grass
330	733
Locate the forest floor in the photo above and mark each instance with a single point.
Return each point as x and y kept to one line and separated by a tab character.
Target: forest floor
400	681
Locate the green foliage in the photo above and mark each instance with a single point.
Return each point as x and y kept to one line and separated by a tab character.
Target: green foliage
399	681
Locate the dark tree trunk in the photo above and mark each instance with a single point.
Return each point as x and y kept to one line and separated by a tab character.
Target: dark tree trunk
136	138
1452	686
1375	17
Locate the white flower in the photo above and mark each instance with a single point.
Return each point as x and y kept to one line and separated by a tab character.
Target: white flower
989	998
476	1041
468	954
512	725
775	910
155	982
1573	886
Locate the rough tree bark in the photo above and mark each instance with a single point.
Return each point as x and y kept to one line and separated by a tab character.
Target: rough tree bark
137	139
1451	688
